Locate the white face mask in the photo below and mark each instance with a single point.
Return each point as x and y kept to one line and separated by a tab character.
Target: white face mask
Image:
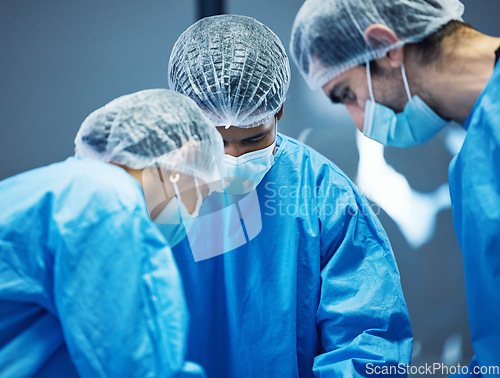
416	124
175	213
252	165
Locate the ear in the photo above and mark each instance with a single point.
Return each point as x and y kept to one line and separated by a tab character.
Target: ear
279	114
380	36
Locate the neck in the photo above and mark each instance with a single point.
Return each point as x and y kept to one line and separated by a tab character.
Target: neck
135	173
452	84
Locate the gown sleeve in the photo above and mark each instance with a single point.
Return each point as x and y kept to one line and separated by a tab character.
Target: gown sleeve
362	317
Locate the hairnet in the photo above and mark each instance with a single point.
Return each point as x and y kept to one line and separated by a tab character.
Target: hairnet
153	126
328	35
234	67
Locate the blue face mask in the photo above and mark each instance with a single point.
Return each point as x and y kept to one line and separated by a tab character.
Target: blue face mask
416	124
252	165
175	215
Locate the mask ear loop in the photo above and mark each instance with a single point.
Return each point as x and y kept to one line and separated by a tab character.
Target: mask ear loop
173	179
369	78
367	126
199	197
198	193
405	81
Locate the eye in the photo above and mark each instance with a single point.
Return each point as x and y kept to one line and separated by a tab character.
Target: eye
347	96
255	139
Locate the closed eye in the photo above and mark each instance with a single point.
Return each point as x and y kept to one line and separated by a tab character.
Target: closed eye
335	99
255	139
347	96
341	94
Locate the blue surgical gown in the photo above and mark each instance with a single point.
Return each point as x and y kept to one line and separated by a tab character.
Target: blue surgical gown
475	194
316	293
88	286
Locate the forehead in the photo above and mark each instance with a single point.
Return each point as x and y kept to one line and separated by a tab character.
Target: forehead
238	133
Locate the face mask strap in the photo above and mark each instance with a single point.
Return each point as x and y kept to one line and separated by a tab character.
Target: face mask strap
173	180
198	193
405	81
369	78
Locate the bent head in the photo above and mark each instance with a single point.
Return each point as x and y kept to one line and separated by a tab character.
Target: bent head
237	71
352	88
334	42
163	140
329	37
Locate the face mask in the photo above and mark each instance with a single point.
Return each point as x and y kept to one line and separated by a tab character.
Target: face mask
252	165
416	124
175	213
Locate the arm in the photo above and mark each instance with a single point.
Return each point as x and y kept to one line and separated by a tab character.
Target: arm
362	316
119	298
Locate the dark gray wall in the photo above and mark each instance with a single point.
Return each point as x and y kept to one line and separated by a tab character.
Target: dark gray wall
60	60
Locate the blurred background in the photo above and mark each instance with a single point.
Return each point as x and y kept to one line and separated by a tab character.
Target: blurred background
61	60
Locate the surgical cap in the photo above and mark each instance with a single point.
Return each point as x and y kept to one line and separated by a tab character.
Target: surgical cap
234	67
155	126
328	35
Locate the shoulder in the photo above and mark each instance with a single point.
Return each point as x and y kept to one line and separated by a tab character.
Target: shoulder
105	185
81	191
311	162
72	194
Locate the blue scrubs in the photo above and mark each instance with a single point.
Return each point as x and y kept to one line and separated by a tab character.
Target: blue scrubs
88	286
316	292
475	194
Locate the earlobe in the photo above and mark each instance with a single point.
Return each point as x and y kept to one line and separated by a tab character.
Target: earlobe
380	36
396	57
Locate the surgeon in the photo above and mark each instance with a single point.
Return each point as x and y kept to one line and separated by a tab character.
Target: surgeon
88	284
315	290
404	70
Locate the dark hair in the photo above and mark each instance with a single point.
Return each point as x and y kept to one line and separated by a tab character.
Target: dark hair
429	49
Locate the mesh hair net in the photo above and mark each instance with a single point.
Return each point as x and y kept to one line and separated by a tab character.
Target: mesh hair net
234	67
328	35
153	126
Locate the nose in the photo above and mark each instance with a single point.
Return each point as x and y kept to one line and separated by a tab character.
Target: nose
233	149
357	115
